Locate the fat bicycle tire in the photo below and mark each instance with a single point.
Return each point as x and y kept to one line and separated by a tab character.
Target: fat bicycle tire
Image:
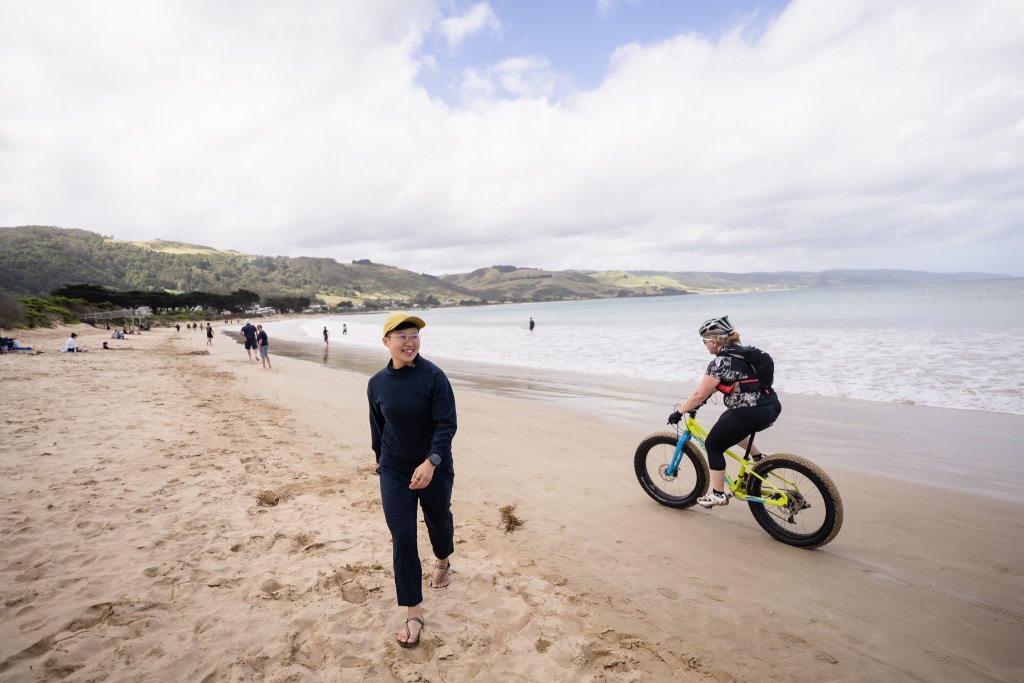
816	514
653	456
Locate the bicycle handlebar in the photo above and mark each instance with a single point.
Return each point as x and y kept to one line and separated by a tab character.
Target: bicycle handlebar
693	412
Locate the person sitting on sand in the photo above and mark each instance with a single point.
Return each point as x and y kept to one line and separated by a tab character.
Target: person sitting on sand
746	411
412	424
71	345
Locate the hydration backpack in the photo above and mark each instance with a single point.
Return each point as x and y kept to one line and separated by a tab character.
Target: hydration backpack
760	362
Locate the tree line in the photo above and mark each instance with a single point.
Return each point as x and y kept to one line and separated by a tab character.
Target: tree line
160	301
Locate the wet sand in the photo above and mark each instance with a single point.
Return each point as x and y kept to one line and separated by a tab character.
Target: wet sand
964	450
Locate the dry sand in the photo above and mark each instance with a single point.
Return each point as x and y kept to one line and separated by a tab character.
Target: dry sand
170	514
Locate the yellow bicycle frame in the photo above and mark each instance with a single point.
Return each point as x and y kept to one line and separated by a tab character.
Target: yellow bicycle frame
772	496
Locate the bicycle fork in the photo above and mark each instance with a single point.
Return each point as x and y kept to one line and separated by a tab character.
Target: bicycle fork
677	457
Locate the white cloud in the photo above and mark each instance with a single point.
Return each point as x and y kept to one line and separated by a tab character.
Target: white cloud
604	7
479	17
516	77
848	133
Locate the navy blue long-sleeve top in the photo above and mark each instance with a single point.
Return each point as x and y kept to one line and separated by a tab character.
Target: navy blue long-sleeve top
412	414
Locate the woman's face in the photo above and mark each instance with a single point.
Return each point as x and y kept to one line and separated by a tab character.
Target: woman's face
403	345
711	345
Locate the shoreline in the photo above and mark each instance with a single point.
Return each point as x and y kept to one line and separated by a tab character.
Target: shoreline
173	510
849	428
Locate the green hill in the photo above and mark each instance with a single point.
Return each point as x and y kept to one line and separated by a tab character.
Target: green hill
39	259
510	283
35	260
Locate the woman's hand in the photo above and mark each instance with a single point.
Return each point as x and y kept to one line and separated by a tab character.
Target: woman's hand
422	475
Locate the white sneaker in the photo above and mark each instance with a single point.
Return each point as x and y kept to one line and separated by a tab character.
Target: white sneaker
712	499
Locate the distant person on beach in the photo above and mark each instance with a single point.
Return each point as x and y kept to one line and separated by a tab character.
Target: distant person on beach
71	345
412	424
248	333
264	346
209	335
177	327
326	336
750	405
344	328
532	324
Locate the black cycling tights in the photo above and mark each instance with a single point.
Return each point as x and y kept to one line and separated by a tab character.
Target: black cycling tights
735	425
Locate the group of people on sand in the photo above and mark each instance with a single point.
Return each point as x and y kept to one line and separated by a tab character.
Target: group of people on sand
413	422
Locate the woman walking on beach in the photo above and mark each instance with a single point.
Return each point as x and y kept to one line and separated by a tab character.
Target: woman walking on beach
412	424
751	406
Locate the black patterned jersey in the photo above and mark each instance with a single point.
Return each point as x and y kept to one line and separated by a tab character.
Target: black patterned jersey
729	369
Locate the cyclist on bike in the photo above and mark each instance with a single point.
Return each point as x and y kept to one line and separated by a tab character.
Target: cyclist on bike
750	406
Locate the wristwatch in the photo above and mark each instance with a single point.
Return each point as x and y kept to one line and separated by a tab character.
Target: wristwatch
434	459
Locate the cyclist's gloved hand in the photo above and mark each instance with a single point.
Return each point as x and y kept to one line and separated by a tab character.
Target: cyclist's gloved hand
675	417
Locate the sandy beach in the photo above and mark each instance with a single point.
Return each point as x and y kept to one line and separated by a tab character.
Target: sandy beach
171	511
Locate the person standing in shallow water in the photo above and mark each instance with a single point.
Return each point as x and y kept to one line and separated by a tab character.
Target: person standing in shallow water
412	424
326	336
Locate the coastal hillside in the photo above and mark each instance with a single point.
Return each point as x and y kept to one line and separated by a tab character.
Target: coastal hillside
510	283
35	260
38	259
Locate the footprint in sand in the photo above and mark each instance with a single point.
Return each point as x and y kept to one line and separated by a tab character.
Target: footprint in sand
790	639
268	499
353	592
272	588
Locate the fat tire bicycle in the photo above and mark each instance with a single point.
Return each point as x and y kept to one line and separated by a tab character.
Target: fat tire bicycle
790	497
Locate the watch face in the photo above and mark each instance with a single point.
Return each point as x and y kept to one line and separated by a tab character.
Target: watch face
435	459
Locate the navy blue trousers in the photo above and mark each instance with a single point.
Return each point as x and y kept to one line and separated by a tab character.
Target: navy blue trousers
400	513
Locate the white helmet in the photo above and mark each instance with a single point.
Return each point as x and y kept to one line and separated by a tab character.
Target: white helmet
715	326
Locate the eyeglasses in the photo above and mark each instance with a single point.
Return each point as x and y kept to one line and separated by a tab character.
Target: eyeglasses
708	339
403	337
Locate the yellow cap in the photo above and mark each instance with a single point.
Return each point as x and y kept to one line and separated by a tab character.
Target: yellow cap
396	319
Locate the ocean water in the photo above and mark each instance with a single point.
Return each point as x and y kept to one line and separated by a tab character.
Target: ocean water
951	345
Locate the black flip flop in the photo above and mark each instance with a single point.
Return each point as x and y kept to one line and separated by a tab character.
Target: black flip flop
440	579
408	633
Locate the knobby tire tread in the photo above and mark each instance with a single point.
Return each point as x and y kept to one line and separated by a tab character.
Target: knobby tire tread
830	493
699	470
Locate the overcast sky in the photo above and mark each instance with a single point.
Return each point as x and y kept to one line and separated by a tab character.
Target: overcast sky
446	135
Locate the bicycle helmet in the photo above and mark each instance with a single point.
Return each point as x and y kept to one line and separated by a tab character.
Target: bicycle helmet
715	326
